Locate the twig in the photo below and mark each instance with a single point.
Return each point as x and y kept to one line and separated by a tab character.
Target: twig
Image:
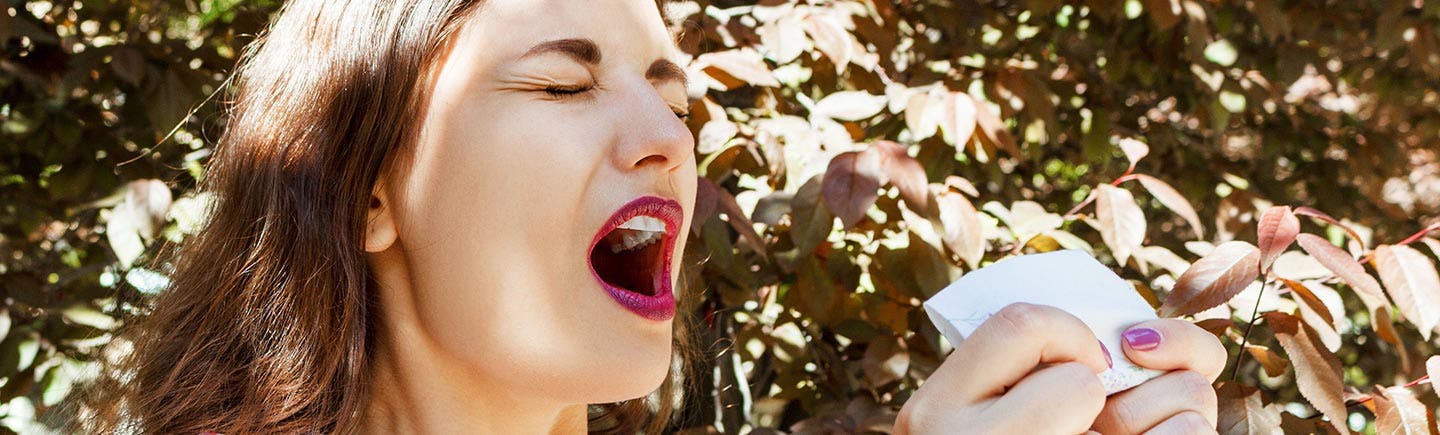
1254	314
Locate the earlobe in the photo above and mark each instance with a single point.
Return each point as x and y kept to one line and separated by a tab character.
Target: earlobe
380	231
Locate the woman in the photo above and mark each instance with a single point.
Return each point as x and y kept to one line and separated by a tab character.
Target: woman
449	216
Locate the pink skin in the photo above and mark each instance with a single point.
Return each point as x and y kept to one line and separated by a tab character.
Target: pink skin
492	319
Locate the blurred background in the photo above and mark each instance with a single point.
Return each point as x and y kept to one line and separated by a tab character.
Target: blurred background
856	156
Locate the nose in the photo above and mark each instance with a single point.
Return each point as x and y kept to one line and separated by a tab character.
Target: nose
649	135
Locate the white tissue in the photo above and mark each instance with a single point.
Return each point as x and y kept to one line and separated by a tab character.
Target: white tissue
1070	280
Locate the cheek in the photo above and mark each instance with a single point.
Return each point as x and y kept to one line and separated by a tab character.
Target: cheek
496	234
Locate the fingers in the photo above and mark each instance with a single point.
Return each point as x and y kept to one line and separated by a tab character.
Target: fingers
1072	384
1010	344
1185	423
1173	344
1153	402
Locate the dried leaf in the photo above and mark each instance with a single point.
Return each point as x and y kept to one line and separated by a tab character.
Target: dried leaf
1122	224
1134	151
1277	230
1317	370
1272	362
964	233
1413	284
852	184
1308	297
1173	200
1243	411
850	105
1214	279
1398	411
907	174
737	67
1345	267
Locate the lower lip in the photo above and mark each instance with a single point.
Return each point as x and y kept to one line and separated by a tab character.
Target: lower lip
661	305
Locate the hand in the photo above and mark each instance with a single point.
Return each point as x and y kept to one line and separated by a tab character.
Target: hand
1028	369
1182	401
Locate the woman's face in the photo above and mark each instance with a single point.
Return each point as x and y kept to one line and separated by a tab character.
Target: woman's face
548	118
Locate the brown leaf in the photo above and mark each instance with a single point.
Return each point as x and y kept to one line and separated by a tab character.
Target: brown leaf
1122	224
1216	327
1308	297
907	174
852	184
1213	279
1345	267
737	67
1398	411
992	127
810	221
1317	370
1243	411
964	233
958	119
831	38
736	217
1413	284
1134	151
1172	200
1272	362
1277	230
886	360
850	105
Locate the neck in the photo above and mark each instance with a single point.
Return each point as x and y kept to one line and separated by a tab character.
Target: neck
417	388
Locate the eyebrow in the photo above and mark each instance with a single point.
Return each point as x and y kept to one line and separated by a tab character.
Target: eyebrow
583	50
587	52
663	69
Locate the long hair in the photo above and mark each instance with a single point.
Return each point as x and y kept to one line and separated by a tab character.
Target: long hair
271	318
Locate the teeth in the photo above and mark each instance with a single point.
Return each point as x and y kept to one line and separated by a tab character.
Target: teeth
629	239
644	223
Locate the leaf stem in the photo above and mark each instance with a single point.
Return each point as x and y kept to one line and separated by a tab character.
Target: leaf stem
1254	315
1419	234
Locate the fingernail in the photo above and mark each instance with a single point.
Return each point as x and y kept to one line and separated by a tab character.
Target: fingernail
1142	338
1106	350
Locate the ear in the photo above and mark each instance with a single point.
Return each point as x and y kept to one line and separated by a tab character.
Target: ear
380	231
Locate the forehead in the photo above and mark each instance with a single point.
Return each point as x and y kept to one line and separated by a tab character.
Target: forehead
631	31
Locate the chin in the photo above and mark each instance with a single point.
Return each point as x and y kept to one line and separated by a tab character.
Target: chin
640	377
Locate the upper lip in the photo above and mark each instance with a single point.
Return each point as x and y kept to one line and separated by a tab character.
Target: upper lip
666	209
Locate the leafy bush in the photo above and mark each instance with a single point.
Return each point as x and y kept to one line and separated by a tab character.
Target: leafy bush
856	156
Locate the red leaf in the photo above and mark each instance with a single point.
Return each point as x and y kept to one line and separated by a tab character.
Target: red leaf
1277	230
1213	279
1397	411
1317	214
810	221
964	233
852	184
923	112
1413	284
907	175
736	217
1173	200
850	105
1122	224
1243	411
1345	267
1317	370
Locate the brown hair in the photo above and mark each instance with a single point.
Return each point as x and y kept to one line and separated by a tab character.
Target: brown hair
270	317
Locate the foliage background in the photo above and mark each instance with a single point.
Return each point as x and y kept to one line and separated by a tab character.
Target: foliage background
856	156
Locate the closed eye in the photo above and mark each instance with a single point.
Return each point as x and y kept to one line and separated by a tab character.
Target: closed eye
567	91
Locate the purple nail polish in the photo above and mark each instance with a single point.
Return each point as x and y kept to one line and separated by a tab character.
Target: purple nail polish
1142	338
1106	351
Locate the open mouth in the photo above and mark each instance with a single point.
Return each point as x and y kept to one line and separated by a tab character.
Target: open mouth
631	256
